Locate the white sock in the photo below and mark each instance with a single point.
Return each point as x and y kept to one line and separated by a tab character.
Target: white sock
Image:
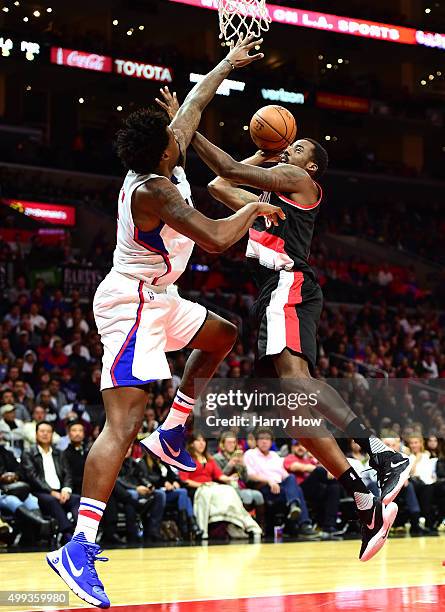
90	513
181	408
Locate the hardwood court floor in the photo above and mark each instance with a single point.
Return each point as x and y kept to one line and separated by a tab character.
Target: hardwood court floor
318	576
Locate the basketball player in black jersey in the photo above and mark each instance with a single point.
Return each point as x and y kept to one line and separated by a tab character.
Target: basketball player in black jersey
288	310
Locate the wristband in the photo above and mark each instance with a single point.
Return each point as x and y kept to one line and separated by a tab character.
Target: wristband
229	62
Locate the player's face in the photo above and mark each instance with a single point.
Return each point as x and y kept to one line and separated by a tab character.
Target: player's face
299	154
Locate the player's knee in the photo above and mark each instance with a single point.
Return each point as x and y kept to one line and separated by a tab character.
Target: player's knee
132	427
294	367
230	334
126	429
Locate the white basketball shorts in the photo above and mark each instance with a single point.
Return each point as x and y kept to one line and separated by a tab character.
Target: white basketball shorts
138	324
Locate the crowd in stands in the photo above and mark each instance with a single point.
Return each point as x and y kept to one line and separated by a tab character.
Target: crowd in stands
51	408
51	412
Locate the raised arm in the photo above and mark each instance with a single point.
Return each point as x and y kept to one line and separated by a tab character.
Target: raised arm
187	119
285	177
161	199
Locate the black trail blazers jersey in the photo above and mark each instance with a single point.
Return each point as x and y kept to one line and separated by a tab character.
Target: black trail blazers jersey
290	300
286	246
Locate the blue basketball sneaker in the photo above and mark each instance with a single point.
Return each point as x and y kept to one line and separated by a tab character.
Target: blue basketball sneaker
74	563
169	446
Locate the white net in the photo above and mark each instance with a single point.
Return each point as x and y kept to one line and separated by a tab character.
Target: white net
248	17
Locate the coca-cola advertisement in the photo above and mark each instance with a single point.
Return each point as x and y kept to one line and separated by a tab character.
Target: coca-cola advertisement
81	59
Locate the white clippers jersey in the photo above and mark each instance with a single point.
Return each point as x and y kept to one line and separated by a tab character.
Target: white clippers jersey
160	256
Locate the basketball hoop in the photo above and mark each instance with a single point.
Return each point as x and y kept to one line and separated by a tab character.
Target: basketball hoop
247	17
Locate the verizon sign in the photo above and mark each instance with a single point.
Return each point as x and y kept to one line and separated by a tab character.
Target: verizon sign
57	214
149	72
81	59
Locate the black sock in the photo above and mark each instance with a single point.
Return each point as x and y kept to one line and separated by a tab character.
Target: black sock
362	436
354	485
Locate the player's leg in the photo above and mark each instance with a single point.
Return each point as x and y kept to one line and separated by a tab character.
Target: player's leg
211	342
211	346
124	409
301	322
374	516
392	468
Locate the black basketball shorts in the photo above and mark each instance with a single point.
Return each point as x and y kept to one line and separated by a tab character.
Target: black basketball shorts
287	313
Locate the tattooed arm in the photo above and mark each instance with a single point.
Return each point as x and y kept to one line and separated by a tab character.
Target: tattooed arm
285	177
159	199
188	117
228	193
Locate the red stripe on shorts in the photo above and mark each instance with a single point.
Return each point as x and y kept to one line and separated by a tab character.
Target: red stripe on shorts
292	322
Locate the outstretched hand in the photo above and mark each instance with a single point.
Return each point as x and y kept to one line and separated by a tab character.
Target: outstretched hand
239	53
170	102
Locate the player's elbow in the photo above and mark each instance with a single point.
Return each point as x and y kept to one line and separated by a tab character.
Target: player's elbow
216	247
215	188
217	242
231	171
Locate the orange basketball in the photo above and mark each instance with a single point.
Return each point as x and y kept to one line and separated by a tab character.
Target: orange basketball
273	128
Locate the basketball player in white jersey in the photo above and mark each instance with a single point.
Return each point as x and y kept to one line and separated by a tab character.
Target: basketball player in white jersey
140	315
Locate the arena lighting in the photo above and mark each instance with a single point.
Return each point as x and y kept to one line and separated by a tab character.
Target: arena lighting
427	11
81	100
342	25
115	22
5	9
245	128
30	49
281	95
6	46
142	28
226	87
25	19
119	108
36	13
49	10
